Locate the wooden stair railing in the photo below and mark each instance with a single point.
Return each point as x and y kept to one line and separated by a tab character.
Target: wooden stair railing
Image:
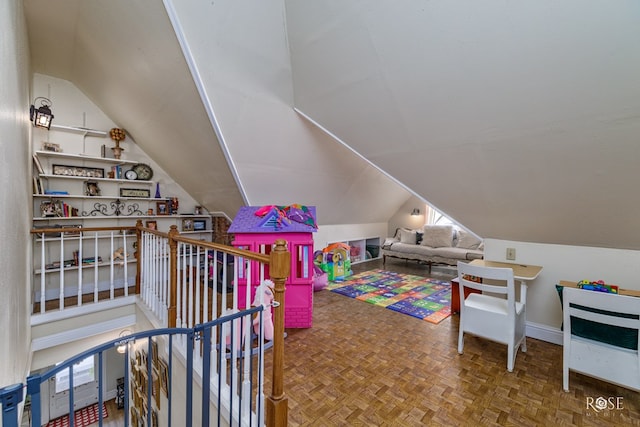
279	261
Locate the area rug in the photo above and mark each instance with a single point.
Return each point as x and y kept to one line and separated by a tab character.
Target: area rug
82	417
425	298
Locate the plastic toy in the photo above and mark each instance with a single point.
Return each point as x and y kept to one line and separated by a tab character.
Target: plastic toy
336	261
239	328
256	228
320	278
264	296
598	286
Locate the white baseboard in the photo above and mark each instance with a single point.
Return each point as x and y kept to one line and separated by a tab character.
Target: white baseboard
544	333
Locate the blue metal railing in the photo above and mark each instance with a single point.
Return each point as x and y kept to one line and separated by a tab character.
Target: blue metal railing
227	341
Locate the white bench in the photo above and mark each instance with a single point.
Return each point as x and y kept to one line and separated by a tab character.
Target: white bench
610	363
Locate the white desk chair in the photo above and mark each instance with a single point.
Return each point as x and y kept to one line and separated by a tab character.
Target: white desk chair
492	317
596	359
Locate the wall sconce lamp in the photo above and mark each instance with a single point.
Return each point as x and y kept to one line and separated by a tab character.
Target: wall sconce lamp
122	344
42	116
415	212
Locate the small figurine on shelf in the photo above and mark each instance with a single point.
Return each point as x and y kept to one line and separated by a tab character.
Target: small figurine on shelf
173	203
119	255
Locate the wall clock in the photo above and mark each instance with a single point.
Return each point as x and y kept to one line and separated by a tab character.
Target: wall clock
131	174
143	171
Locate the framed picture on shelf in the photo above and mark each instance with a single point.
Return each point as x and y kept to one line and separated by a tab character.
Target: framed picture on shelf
152	225
91	188
199	224
135	192
81	171
162	208
51	208
187	225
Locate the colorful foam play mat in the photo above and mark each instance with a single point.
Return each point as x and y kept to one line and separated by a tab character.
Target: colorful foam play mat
82	417
425	298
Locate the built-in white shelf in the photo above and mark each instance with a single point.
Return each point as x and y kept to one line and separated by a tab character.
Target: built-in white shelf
360	252
89	266
91	178
55	154
73	196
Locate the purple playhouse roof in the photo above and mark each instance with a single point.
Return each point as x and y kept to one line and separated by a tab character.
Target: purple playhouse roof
246	220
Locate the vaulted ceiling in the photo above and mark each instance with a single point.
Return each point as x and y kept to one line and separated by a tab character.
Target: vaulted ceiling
520	120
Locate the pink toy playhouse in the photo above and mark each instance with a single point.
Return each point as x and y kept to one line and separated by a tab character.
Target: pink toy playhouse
256	228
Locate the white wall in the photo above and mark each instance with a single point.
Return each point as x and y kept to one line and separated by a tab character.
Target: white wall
336	233
15	210
561	262
500	114
403	217
241	53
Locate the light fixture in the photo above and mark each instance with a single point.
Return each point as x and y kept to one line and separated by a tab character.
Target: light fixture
42	116
415	212
122	344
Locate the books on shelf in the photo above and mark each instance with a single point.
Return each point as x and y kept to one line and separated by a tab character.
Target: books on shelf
56	264
117	171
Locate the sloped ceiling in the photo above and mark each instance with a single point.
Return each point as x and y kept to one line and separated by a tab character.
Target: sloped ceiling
125	56
520	120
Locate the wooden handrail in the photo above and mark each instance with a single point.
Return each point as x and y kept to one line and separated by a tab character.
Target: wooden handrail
277	403
279	261
173	277
137	254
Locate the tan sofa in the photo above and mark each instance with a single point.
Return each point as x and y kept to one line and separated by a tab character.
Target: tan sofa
433	244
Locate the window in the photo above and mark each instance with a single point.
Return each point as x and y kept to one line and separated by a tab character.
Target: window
83	373
438	218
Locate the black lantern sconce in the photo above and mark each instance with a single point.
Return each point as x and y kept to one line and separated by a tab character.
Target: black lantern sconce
42	116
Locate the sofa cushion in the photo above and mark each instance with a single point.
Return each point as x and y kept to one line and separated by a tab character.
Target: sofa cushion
467	240
437	236
408	236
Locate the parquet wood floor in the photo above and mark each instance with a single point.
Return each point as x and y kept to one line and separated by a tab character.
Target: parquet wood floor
362	365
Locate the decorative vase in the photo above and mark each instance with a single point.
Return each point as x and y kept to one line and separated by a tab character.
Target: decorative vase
157	190
117	135
117	150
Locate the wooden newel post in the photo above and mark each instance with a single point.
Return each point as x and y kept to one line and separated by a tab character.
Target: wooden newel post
137	254
173	279
277	403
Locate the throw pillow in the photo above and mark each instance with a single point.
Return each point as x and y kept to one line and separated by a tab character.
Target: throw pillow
467	240
407	236
437	236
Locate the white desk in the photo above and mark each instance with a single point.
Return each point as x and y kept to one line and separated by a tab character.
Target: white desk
521	272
